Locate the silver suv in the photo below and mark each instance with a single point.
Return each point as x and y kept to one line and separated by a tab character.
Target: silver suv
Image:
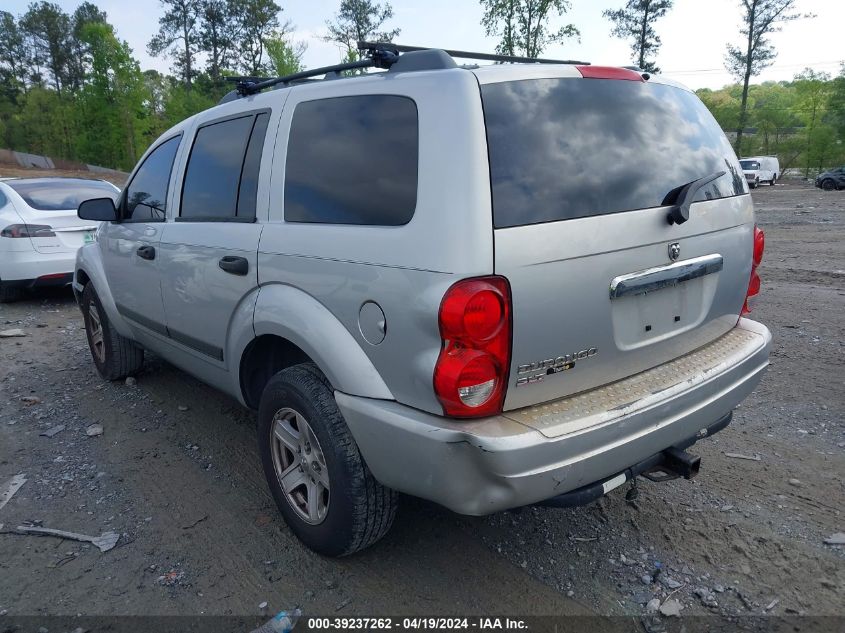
488	287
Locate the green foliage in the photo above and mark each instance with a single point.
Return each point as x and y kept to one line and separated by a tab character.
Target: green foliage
522	25
360	20
800	121
760	18
285	57
635	22
178	36
258	20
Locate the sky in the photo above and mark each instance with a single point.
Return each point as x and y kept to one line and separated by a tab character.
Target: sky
694	33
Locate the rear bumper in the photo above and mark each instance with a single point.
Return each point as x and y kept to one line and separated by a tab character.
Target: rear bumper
29	267
483	466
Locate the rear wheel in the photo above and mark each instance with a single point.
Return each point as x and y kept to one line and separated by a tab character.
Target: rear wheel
772	181
828	184
115	356
316	474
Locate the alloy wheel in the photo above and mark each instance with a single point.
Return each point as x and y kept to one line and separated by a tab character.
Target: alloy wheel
95	325
300	465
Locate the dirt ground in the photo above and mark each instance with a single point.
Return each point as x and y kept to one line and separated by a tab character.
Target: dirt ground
176	474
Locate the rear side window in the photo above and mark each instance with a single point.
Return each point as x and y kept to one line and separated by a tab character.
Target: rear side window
146	195
573	148
353	160
221	179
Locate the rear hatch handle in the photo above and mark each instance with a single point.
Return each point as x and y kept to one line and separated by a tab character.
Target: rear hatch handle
681	197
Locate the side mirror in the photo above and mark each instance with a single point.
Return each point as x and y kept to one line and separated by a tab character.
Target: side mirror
98	209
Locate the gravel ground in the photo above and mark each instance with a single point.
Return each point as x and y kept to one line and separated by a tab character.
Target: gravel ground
176	474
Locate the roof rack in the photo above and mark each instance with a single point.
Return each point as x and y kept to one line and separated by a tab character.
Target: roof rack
386	56
399	48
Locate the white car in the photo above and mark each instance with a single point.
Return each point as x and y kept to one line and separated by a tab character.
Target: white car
40	231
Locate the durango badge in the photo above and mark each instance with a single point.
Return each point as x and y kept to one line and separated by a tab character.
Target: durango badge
537	372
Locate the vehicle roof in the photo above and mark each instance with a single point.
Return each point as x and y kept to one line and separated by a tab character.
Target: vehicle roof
55	180
488	73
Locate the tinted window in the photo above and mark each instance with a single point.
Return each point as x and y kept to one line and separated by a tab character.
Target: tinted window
59	194
146	195
573	148
214	170
750	165
248	191
353	160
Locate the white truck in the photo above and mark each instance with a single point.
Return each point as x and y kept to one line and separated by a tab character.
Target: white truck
759	169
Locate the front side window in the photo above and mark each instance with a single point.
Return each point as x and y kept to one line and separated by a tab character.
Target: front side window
221	179
573	148
353	160
146	195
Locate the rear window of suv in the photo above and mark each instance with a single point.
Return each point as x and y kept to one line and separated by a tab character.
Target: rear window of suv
573	148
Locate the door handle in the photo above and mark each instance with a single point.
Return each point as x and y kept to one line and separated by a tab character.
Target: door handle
146	252
234	265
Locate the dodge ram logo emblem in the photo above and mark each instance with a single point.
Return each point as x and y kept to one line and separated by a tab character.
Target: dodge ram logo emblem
674	251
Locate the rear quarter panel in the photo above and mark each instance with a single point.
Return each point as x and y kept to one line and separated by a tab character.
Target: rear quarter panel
404	269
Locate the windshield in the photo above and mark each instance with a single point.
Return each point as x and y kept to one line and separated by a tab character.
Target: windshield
749	165
573	148
61	194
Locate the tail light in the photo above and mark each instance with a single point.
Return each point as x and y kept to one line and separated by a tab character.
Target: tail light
27	230
475	326
754	281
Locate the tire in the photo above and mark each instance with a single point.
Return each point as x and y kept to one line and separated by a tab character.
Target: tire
9	294
355	510
828	185
772	181
115	356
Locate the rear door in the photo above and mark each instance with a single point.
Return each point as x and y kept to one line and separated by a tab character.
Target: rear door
583	171
209	251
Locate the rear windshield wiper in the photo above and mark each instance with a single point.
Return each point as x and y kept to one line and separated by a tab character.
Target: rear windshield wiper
681	197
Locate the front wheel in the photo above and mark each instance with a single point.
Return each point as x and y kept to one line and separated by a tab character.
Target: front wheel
316	474
828	185
115	356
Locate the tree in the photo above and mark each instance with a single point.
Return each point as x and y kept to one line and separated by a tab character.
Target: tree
257	19
49	29
14	55
80	59
522	25
813	92
360	20
760	19
114	97
178	35
218	33
635	21
285	56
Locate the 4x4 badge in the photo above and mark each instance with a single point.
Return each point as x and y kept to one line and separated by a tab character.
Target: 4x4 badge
674	251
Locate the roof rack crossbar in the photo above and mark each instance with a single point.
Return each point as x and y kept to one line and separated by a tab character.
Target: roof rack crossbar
400	48
380	55
380	58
